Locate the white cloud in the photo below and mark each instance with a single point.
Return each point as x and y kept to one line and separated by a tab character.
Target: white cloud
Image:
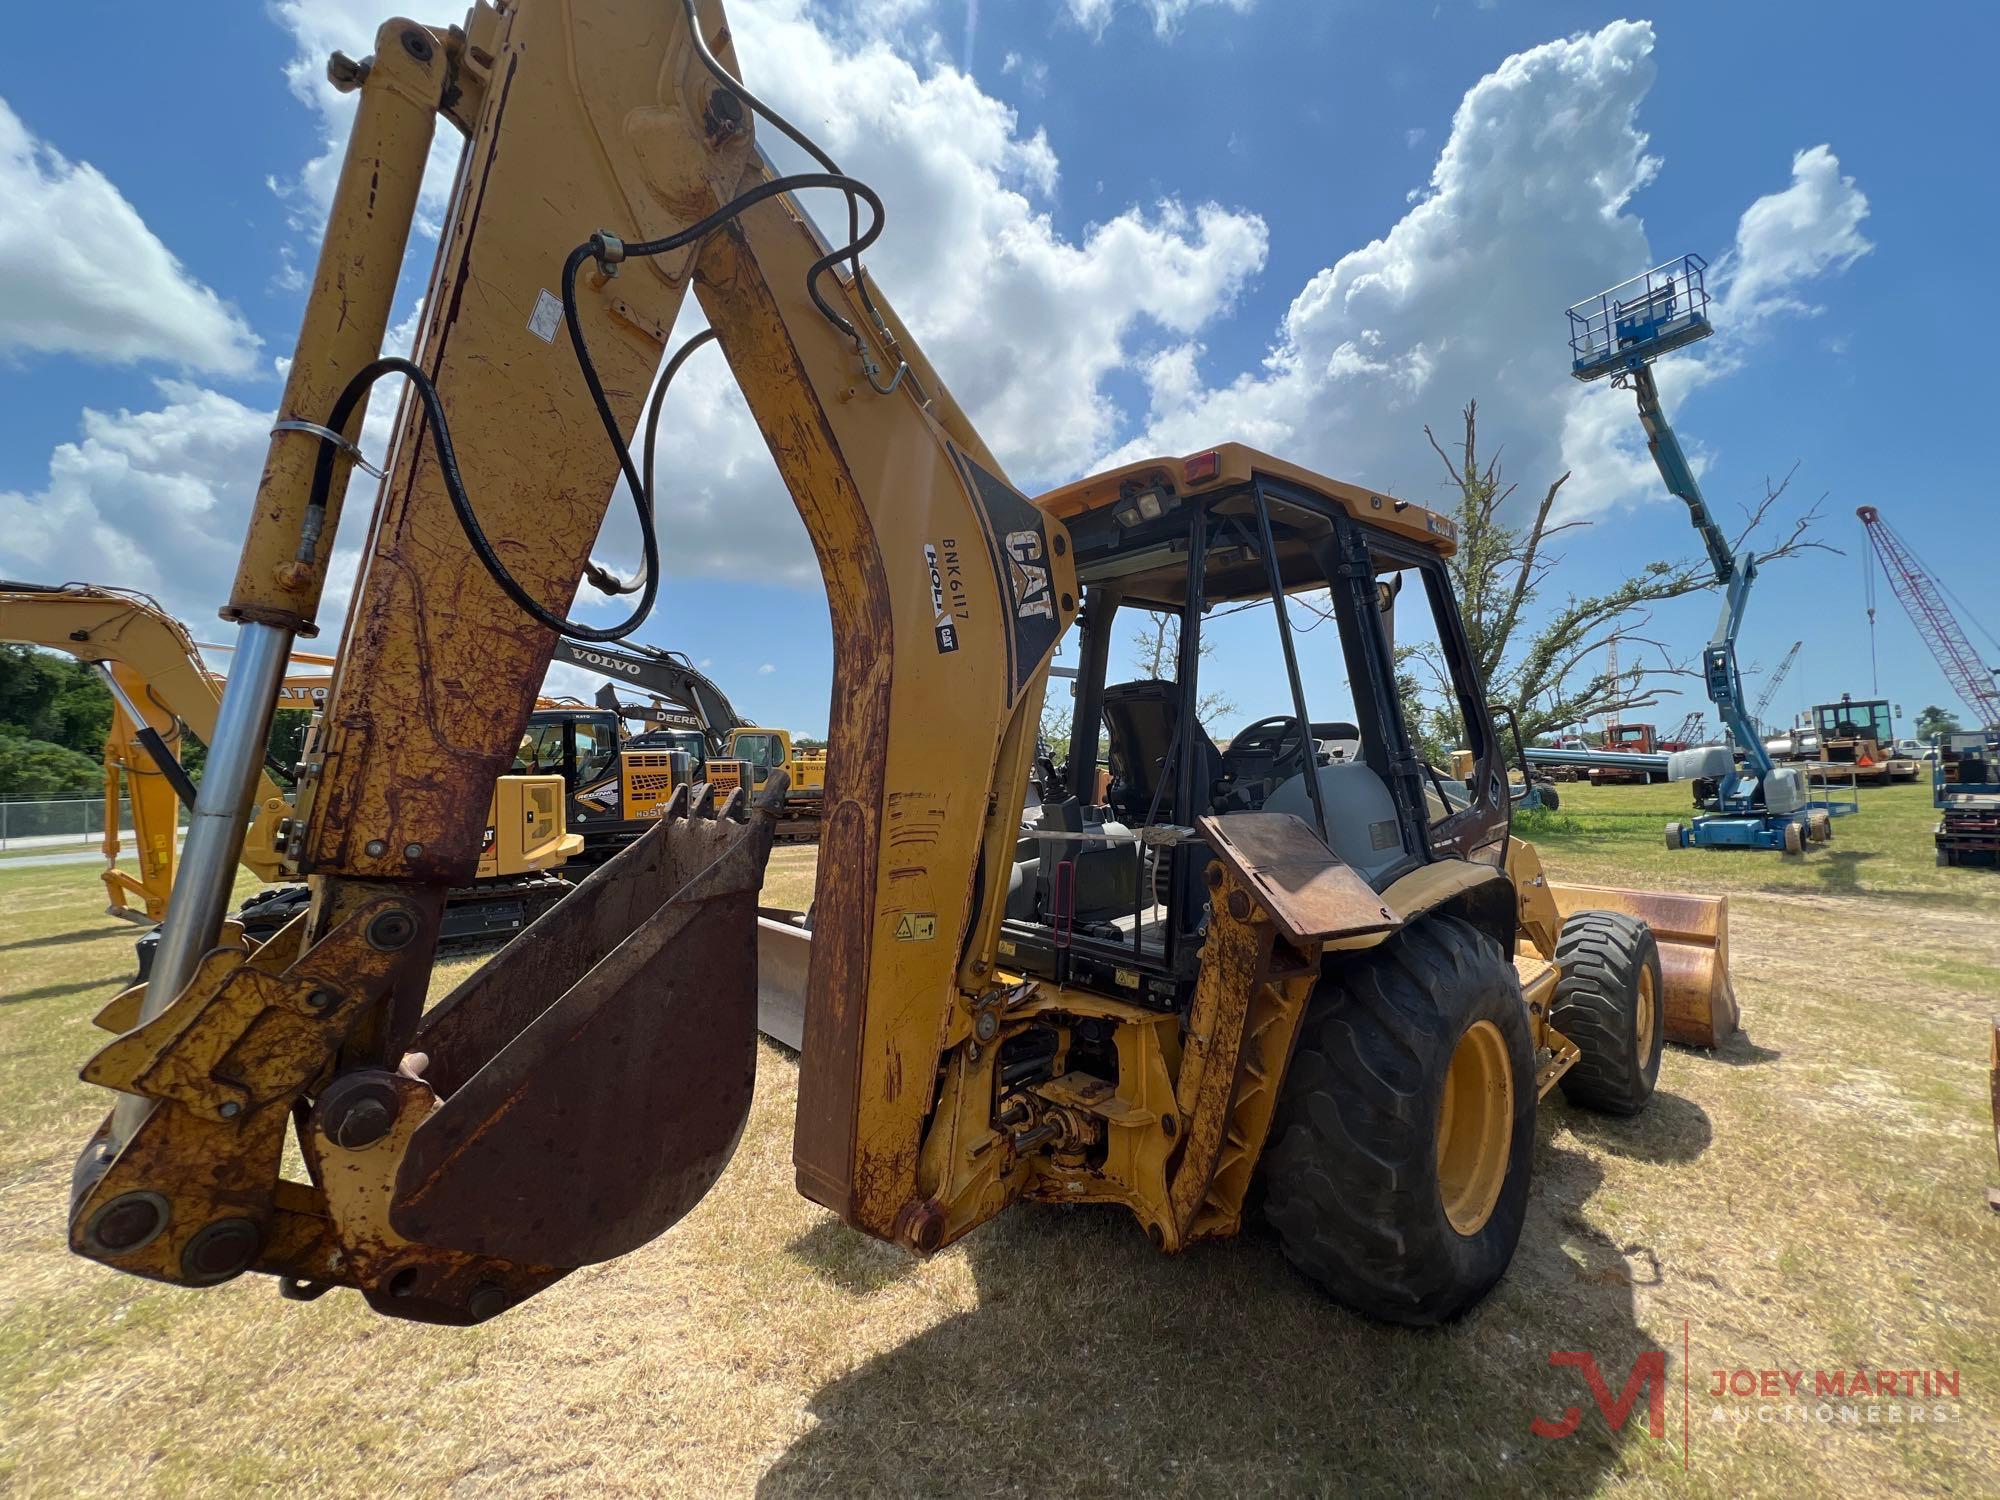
1787	238
319	28
153	500
1783	240
1032	71
1095	15
81	274
1527	209
159	500
1024	323
767	669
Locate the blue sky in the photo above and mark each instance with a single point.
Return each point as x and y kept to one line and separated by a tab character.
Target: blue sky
1308	126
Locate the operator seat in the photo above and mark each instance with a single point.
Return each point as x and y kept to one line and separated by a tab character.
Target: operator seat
1141	717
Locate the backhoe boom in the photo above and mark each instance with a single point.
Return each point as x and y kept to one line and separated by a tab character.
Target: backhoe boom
579	118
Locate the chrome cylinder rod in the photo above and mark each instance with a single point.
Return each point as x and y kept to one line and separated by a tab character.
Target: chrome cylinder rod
207	873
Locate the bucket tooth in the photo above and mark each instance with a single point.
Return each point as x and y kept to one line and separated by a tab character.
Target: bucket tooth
677	804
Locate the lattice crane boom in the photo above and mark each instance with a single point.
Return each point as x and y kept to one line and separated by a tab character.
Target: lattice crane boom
1923	600
1777	680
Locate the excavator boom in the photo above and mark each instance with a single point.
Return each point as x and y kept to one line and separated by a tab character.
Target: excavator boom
153	665
665	674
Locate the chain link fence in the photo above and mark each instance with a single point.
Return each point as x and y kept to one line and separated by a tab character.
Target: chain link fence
58	822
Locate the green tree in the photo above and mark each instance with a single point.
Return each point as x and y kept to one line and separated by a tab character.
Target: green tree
37	768
1935	721
54	698
1555	672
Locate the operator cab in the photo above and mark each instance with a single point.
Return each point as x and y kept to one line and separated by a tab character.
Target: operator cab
1107	888
583	746
1854	727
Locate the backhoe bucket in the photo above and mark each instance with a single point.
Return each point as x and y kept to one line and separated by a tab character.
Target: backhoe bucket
596	1073
1693	934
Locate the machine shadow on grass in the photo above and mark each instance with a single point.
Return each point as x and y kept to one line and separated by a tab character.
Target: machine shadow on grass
1093	1363
82	935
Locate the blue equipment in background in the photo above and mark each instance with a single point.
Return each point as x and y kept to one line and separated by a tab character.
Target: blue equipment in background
1759	805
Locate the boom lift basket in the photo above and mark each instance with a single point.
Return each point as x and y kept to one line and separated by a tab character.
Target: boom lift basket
1655	312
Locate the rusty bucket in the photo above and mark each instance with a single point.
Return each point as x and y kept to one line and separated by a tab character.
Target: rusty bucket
1693	934
596	1073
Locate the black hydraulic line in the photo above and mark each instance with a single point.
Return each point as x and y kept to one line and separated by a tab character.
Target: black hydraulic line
706	336
1276	576
600	247
177	778
812	148
149	739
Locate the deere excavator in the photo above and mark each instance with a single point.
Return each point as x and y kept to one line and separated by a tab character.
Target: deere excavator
1344	978
161	688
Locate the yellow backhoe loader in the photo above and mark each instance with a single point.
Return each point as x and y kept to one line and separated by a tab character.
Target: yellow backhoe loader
161	688
1344	977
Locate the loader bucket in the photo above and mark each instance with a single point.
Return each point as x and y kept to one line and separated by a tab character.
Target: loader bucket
596	1073
1693	934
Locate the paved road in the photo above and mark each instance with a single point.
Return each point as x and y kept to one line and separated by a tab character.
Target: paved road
27	861
56	840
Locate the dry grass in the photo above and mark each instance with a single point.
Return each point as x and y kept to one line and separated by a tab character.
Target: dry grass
1812	1196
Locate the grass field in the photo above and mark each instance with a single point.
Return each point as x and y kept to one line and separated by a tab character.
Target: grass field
1812	1196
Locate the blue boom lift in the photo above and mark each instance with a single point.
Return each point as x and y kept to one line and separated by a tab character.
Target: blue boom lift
1758	805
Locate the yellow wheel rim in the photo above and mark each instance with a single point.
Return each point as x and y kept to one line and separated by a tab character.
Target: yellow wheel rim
1645	1017
1475	1127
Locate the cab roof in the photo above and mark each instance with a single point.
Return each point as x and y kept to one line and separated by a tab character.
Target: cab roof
1230	466
1219	479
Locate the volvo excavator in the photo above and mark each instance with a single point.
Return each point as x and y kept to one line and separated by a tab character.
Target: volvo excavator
1344	978
732	752
161	689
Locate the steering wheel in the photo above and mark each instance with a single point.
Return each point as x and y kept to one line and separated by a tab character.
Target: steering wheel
1281	738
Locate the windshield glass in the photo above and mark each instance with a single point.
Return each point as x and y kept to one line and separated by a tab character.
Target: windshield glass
1853	721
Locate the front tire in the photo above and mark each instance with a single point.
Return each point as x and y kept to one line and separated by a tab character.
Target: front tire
1608	1002
1398	1170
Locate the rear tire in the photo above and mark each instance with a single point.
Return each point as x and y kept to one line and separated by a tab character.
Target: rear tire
1398	1169
1795	840
1819	826
1608	1002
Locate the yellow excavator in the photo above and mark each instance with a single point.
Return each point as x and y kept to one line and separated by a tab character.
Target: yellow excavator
161	689
1343	977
